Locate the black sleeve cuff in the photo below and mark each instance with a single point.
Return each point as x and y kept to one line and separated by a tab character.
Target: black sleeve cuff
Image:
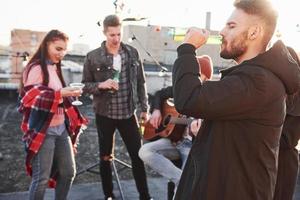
186	49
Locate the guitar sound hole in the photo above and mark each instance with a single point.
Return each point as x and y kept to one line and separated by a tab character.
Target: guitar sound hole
167	120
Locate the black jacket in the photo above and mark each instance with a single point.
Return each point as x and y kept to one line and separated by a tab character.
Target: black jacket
288	160
161	95
235	154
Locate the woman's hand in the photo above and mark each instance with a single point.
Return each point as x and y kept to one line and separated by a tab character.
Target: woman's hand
70	92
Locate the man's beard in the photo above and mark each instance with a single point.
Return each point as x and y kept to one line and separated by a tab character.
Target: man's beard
238	47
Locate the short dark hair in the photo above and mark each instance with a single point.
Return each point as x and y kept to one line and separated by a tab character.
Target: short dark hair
262	9
111	20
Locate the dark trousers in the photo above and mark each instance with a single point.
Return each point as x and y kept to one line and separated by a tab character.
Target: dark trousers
128	129
288	159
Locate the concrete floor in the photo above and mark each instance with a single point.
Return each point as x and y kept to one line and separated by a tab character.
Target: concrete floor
93	191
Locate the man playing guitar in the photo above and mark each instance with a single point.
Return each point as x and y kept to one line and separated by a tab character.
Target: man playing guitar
158	154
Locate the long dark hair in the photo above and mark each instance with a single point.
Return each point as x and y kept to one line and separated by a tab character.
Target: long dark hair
41	55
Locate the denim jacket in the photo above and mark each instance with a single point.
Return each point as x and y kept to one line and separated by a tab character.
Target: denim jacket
98	67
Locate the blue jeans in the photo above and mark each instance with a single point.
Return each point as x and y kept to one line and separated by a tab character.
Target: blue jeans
55	151
158	156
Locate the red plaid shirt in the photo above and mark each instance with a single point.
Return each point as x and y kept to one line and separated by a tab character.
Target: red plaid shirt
38	104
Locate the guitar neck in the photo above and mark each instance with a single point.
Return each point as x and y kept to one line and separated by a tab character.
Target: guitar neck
168	127
181	121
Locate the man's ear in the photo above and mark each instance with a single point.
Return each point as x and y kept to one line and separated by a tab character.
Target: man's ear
254	32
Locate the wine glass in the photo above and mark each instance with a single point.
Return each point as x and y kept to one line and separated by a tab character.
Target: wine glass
78	86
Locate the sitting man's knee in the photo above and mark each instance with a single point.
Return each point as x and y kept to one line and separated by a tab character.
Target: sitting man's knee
141	153
145	153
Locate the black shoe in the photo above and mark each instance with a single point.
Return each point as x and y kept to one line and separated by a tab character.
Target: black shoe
146	198
171	188
110	197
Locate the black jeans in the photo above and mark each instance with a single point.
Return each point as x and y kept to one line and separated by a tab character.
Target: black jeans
129	132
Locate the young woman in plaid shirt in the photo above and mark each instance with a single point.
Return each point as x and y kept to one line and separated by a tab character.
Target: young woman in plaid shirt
51	125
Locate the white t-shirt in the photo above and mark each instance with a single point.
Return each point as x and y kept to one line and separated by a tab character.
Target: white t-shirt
117	62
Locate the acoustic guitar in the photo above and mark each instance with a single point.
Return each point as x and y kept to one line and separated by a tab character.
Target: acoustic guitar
172	126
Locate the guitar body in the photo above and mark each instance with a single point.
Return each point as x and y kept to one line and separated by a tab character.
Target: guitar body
169	130
149	132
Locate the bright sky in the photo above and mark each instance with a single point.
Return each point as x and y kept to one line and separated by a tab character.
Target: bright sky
79	18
